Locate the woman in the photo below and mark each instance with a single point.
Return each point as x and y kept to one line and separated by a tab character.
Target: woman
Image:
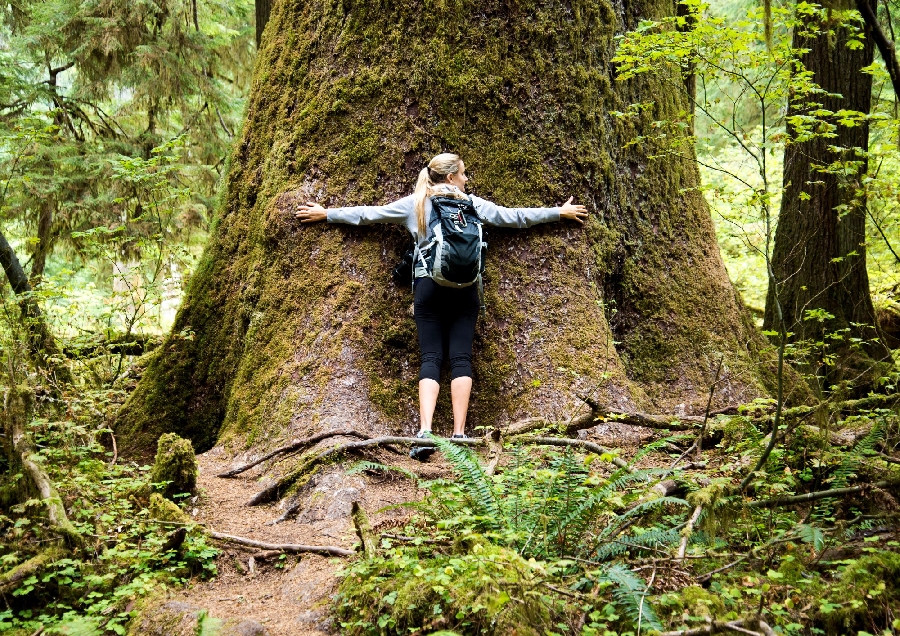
445	316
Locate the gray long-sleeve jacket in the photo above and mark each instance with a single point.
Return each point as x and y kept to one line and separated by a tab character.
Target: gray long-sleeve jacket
403	212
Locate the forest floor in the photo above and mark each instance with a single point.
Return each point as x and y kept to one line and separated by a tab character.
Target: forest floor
291	596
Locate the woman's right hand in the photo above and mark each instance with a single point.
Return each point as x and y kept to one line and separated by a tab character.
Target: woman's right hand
311	213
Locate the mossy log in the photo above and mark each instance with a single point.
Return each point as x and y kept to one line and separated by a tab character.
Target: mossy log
287	330
35	565
21	452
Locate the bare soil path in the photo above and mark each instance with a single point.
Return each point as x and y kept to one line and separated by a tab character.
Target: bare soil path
290	595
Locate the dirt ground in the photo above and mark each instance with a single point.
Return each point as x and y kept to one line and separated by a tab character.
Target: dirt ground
291	595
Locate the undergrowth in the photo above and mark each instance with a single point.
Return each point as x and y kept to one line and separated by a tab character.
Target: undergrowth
128	551
556	543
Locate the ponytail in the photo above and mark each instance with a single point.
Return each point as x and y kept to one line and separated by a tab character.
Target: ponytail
422	191
437	170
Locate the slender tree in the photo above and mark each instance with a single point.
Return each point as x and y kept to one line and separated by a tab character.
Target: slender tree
820	291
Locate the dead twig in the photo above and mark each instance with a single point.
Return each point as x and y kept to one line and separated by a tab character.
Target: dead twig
293	548
686	533
288	448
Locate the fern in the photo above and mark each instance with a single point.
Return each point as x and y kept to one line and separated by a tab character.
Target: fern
363	466
651	539
657	445
852	460
630	592
478	489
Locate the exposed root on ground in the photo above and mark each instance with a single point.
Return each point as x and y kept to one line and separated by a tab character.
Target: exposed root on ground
293	548
293	446
305	469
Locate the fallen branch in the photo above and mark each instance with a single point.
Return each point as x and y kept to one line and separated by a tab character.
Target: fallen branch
293	548
719	627
686	533
293	446
821	494
889	459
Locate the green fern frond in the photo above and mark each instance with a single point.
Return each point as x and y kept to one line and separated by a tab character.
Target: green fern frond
652	539
853	459
657	445
363	466
630	591
478	489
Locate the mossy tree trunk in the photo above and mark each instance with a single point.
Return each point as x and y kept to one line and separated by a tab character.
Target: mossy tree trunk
819	257
287	328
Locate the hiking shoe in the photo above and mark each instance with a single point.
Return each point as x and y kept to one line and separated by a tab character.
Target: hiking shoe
422	453
460	436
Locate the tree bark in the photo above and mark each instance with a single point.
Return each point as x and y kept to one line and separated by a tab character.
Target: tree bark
263	11
41	344
288	330
819	257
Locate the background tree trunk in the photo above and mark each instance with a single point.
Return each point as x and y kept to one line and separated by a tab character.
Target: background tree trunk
41	344
819	257
289	329
263	11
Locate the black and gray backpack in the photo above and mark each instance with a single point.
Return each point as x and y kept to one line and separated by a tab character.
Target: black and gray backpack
454	254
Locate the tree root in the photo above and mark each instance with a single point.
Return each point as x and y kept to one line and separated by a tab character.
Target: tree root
293	446
293	548
34	565
272	492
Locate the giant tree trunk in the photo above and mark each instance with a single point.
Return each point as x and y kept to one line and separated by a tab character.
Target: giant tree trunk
819	258
288	328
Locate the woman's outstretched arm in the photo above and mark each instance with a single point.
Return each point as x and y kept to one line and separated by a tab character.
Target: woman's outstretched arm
493	214
396	212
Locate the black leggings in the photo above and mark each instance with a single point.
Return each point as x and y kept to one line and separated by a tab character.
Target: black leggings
445	320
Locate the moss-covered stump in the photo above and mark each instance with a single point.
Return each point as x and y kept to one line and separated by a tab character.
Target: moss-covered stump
174	618
289	329
175	464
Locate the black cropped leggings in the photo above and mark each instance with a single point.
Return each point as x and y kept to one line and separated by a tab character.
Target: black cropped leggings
445	320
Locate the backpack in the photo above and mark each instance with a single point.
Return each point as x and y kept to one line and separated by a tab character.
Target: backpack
454	257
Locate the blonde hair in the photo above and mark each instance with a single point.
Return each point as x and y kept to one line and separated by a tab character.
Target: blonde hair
434	173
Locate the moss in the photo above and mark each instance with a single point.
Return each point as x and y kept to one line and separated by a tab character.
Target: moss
865	599
165	510
289	328
176	464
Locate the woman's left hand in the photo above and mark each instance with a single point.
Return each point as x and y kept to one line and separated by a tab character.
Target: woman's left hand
573	212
